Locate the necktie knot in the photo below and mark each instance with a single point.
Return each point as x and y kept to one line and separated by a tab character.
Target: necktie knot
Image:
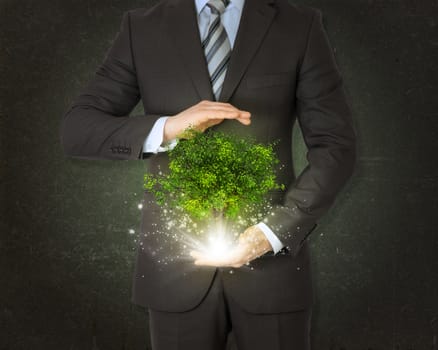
218	6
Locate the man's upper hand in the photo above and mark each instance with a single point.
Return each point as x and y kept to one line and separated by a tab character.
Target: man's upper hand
202	116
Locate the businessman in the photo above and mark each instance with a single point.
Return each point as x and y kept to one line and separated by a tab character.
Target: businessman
252	67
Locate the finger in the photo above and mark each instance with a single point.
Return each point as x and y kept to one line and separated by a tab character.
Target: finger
216	104
227	109
237	265
235	259
209	262
244	121
217	261
197	255
202	259
203	263
214	121
221	114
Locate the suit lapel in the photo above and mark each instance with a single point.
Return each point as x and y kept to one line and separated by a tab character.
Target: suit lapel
182	25
256	17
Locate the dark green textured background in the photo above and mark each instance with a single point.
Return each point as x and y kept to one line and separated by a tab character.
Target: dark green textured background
66	254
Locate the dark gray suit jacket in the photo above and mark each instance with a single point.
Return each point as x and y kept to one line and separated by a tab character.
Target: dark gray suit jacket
282	68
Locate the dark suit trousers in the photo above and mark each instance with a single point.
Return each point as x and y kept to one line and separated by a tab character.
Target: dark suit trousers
206	327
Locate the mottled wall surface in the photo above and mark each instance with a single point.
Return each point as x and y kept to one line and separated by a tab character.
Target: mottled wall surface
66	253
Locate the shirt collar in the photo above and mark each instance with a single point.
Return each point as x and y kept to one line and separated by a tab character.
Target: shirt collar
236	3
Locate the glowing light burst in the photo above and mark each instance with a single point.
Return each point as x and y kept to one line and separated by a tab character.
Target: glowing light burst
215	241
217	247
219	242
179	235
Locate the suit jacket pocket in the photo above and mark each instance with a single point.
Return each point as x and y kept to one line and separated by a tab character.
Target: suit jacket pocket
266	80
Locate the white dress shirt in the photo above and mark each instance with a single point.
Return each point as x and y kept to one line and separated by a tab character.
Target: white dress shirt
230	20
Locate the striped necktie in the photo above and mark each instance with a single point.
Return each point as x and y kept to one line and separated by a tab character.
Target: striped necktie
216	46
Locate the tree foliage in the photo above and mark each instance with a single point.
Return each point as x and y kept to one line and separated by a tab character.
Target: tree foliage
214	174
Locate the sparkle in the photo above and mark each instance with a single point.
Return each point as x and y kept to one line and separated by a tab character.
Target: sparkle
140	206
131	231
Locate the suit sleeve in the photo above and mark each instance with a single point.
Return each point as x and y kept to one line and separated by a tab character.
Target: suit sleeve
325	119
98	125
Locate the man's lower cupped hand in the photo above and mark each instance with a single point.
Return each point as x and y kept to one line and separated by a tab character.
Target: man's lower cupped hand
251	244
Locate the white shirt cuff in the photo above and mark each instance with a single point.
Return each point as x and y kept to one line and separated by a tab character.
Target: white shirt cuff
271	236
154	140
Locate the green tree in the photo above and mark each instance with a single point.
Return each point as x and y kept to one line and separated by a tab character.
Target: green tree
213	175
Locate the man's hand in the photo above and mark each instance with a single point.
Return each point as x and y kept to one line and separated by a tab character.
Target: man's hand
202	116
251	244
